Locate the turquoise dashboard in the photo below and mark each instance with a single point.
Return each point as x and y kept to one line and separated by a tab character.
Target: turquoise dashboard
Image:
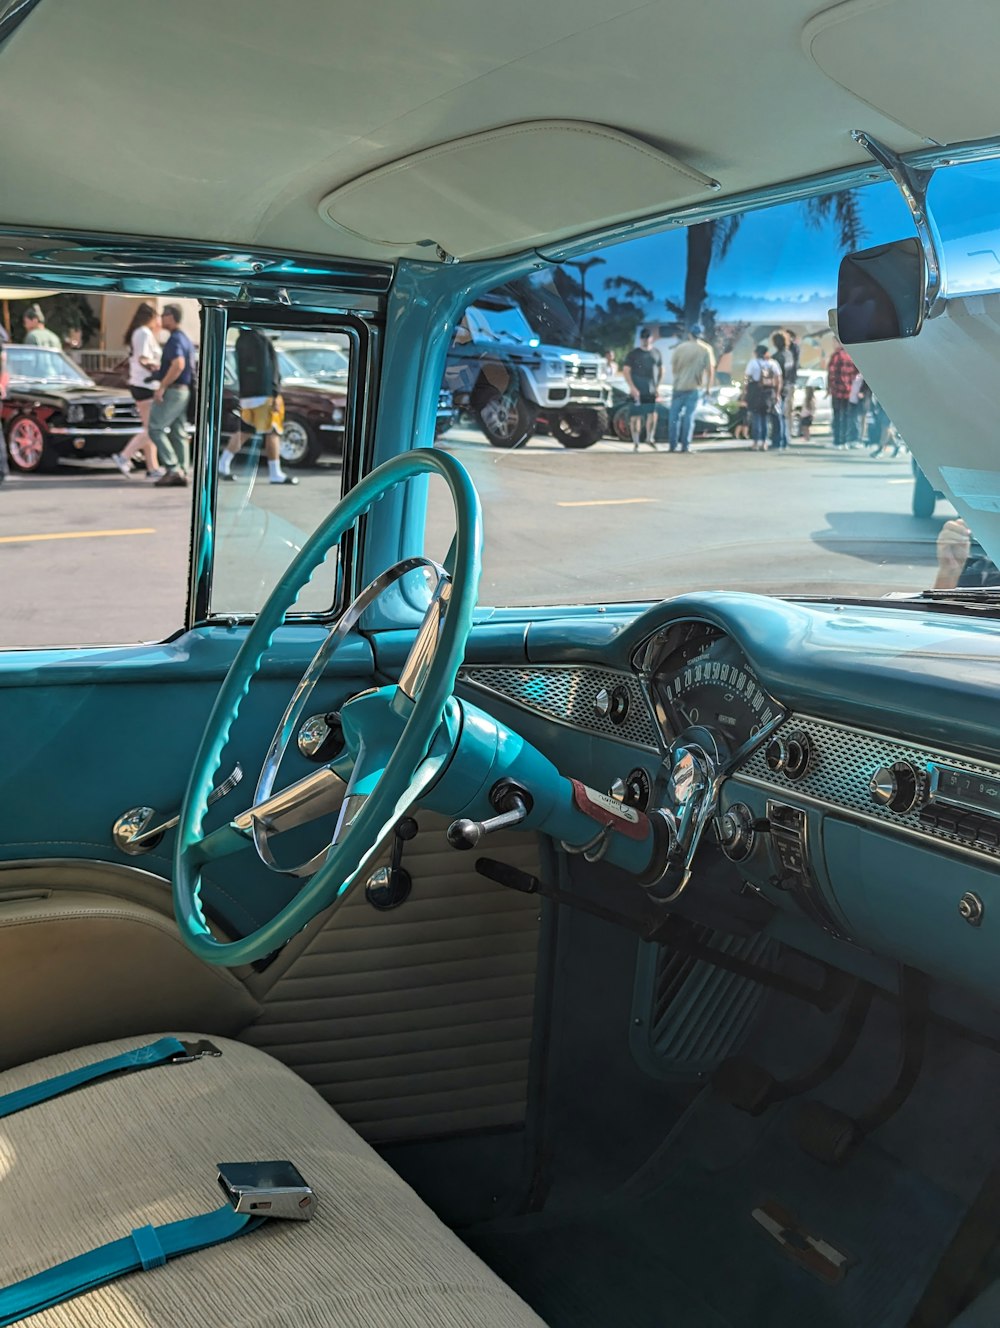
858	810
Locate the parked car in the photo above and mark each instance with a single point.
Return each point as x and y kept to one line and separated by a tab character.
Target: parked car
499	370
53	410
317	358
710	418
925	496
822	413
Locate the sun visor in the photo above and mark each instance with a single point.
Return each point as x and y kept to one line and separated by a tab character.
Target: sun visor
952	433
928	65
508	189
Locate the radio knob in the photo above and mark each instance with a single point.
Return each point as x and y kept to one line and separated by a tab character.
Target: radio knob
776	755
894	786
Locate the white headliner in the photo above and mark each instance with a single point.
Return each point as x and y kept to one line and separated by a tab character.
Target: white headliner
230	120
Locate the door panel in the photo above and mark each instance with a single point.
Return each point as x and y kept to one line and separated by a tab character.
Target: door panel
415	1022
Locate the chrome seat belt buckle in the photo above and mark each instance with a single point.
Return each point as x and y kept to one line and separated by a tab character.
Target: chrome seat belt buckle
267	1189
193	1051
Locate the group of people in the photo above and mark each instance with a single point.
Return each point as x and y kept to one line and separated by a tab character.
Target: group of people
769	392
160	381
692	365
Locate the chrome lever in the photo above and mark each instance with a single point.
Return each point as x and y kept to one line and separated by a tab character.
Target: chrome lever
130	833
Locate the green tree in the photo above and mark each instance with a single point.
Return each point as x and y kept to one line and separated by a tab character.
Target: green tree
708	241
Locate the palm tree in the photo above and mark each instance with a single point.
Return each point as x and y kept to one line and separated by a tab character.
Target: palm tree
710	240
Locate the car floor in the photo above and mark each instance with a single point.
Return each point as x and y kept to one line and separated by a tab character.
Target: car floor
688	1238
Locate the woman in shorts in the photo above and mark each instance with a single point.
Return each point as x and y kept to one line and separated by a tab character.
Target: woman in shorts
143	360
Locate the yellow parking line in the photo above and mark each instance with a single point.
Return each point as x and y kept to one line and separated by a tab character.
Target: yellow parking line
75	534
606	502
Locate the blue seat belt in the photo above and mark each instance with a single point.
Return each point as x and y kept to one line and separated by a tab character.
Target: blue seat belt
257	1192
147	1247
165	1051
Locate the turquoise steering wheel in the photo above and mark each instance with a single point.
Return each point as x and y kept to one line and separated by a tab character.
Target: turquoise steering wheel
399	738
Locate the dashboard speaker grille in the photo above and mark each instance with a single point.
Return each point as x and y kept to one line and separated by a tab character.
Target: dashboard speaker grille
569	695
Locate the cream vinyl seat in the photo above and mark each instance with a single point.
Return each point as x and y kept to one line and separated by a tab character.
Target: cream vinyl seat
87	1168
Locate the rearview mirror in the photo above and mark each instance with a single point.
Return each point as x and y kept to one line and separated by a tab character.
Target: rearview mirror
880	293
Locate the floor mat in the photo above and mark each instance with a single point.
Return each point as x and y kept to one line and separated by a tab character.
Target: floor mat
679	1246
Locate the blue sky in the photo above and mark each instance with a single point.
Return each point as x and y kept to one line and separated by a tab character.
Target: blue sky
777	257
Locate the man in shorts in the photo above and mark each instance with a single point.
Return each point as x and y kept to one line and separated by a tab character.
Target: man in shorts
642	370
262	410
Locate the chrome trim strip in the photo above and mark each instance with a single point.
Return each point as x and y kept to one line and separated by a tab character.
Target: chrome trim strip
205	447
13	15
95	434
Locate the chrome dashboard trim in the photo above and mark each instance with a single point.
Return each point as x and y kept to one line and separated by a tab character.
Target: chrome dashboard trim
838	779
567	694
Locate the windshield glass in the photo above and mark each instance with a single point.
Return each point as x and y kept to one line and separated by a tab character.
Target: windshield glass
36	365
509	324
317	362
738	446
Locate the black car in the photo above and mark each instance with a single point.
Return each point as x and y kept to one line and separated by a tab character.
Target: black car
53	410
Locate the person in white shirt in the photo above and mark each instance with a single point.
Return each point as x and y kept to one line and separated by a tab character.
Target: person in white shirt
143	360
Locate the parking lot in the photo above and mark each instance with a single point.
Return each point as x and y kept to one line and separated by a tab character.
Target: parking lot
85	547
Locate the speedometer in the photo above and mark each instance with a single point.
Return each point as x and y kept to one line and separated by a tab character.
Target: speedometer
703	681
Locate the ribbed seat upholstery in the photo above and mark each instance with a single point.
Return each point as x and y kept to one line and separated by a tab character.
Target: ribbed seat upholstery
91	1166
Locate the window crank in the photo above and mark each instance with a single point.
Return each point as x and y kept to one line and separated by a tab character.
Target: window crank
512	804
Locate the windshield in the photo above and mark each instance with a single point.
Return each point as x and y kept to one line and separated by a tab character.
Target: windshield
36	365
739	446
316	362
509	324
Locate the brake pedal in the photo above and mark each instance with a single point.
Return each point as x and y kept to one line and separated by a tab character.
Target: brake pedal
824	1132
744	1084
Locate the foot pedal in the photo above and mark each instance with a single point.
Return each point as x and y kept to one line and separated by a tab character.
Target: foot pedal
743	1084
825	1133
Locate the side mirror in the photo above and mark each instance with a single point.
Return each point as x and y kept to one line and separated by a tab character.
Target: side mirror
881	293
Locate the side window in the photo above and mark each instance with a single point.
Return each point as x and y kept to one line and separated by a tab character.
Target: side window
94	549
285	416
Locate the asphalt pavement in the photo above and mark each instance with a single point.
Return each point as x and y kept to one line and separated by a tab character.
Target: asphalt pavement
93	558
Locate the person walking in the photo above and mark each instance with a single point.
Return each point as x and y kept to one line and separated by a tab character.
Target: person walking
763	384
840	375
692	367
168	413
784	358
642	371
262	409
143	361
35	331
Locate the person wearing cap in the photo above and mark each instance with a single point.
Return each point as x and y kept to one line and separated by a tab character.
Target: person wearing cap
168	414
642	371
35	331
693	368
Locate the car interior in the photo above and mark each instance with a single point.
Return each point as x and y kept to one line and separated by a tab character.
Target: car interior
476	902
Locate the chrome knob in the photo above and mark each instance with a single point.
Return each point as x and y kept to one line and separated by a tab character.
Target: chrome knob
602	703
894	786
776	755
735	828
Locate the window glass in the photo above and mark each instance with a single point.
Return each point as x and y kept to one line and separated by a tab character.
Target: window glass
565	420
95	551
965	203
284	414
